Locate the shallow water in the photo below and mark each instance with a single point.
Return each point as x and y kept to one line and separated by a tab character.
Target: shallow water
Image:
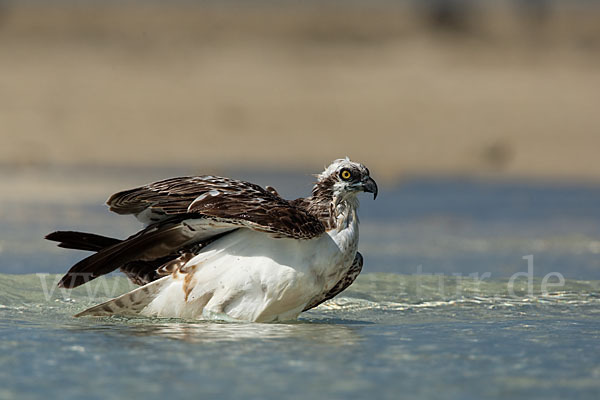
389	335
433	315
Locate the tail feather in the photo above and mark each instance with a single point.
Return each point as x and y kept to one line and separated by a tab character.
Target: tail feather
131	303
81	240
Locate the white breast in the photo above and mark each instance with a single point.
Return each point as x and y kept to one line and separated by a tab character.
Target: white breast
249	275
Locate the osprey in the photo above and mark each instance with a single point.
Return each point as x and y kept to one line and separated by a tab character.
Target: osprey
220	248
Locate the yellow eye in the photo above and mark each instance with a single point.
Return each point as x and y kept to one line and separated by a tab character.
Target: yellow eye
345	174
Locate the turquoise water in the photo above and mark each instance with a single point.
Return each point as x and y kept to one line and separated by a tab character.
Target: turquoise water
379	339
434	314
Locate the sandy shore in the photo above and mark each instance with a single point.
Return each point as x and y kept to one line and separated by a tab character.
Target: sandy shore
404	101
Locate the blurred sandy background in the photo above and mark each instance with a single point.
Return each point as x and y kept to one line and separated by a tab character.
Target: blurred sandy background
498	88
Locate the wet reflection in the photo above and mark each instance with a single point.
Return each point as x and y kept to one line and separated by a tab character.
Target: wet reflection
213	332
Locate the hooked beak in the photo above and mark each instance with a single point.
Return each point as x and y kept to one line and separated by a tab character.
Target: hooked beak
370	186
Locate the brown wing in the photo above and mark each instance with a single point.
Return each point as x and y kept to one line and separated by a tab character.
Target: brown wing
242	204
143	257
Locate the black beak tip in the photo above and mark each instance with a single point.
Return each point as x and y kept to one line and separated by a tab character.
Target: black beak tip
371	187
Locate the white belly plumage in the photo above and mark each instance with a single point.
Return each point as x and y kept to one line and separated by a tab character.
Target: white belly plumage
250	276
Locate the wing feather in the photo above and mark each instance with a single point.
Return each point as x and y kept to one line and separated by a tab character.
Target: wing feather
226	200
158	241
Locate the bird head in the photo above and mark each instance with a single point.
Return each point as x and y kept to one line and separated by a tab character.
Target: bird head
347	178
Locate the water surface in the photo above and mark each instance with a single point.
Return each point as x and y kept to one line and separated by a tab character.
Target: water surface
432	315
